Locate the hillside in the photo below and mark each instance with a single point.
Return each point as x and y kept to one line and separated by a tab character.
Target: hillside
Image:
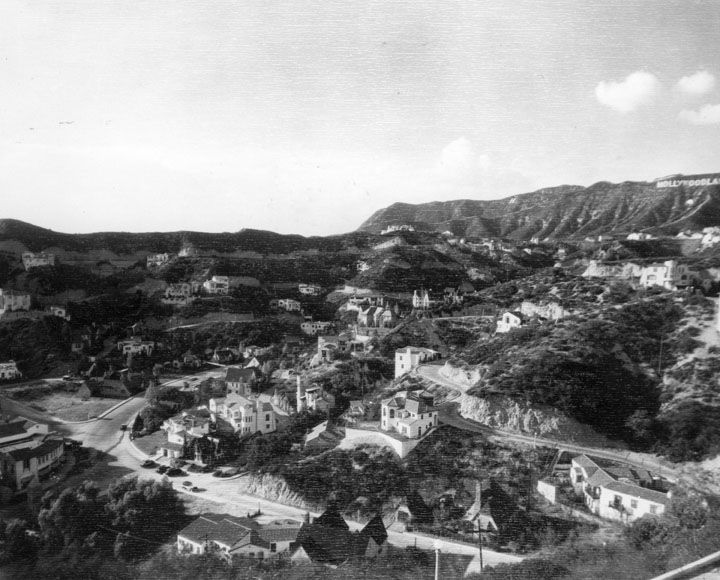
564	212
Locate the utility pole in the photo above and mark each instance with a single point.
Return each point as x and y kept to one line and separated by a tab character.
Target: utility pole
479	521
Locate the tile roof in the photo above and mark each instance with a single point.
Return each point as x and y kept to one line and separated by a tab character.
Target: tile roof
221	528
237	375
10	429
637	491
27	453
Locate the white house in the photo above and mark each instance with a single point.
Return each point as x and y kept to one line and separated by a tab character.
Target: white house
397	228
617	492
59	311
246	416
409	414
27	452
669	274
421	300
313	398
510	320
31	260
9	371
217	285
289	305
309	289
155	260
233	537
179	294
406	359
313	328
11	300
136	346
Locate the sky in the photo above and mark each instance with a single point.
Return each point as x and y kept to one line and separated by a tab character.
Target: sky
307	117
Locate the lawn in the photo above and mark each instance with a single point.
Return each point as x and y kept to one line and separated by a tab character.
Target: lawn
150	444
60	401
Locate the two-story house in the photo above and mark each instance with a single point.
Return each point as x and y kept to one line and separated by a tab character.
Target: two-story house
409	414
219	285
179	294
289	305
245	416
9	371
28	451
408	358
309	289
135	345
240	380
36	260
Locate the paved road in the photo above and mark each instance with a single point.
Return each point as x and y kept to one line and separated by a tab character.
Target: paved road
449	414
120	458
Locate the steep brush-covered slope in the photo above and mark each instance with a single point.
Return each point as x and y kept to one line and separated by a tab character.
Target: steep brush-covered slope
564	212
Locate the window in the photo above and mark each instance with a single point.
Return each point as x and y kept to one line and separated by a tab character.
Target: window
653	509
633	503
267	416
273	547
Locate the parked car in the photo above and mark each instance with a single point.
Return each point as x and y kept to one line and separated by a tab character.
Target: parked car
195	489
187	484
218	473
175	472
162	469
148	463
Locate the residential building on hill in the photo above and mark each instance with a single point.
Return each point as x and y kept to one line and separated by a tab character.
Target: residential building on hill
309	289
219	285
179	294
409	358
246	416
409	414
240	380
314	327
155	260
232	537
135	345
313	398
36	260
510	320
618	492
289	305
12	300
28	451
9	371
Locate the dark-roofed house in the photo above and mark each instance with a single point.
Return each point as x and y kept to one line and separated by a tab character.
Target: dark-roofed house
235	537
240	381
617	492
27	452
328	540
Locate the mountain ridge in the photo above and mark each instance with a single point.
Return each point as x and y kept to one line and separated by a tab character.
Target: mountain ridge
566	211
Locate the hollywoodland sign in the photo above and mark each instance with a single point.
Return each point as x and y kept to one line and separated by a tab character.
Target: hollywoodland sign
689	180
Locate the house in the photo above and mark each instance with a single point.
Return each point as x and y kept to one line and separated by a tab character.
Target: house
314	398
313	328
322	437
421	300
179	294
397	228
408	358
183	429
9	371
32	260
289	305
617	492
155	260
510	320
362	266
329	345
309	289
409	414
114	384
452	296
27	452
246	416
233	537
12	300
240	380
219	285
669	274
135	345
225	355
328	540
639	236
412	511
367	316
59	311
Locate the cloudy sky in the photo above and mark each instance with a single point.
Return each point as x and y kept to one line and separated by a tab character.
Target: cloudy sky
305	117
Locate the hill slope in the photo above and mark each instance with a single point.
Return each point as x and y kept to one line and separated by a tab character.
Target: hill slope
567	211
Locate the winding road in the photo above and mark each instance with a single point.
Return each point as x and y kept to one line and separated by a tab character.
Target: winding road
450	415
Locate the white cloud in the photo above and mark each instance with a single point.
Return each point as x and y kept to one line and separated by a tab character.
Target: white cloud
707	115
700	83
637	89
459	160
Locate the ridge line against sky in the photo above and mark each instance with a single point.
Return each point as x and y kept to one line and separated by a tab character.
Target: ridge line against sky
307	118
